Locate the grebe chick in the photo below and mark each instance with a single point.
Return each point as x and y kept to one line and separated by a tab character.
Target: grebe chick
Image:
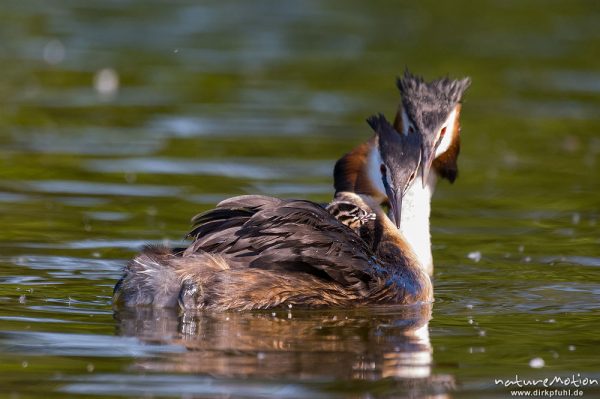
347	211
257	252
431	110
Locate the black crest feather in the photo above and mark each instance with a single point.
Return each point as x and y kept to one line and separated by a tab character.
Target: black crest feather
428	104
443	91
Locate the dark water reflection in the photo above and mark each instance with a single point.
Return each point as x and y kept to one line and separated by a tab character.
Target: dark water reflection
318	348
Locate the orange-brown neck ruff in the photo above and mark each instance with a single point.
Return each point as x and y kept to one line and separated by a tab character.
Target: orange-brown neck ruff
351	172
446	164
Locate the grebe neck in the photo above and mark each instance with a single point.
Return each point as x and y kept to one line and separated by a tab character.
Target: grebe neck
416	210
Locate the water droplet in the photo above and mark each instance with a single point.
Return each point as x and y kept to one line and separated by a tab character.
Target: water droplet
537	363
106	82
474	256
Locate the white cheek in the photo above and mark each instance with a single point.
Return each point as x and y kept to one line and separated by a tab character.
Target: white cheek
405	123
374	162
448	137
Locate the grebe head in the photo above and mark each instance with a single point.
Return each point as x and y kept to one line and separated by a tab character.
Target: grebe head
432	109
400	155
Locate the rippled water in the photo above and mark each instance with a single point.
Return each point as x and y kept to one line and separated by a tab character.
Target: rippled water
121	120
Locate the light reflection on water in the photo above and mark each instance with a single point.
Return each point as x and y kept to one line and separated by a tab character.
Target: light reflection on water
320	347
249	169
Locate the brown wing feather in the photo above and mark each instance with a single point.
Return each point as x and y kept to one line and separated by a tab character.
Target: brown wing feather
291	235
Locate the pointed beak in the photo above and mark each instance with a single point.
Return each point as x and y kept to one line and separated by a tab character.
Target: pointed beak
395	199
426	162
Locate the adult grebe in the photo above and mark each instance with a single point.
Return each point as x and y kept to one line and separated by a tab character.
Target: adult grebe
432	110
257	252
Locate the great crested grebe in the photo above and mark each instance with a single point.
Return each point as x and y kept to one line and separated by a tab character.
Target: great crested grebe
431	109
257	252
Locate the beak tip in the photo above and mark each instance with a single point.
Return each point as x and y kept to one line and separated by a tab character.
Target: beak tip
424	176
397	209
425	169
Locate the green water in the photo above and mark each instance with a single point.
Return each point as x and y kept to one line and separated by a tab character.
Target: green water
216	99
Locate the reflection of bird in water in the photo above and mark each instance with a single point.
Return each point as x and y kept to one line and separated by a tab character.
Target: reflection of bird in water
432	110
317	348
255	252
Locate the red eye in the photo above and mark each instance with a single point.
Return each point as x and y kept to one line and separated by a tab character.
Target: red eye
443	132
382	169
411	129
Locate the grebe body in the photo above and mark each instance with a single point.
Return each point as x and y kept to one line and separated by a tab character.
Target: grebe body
257	252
